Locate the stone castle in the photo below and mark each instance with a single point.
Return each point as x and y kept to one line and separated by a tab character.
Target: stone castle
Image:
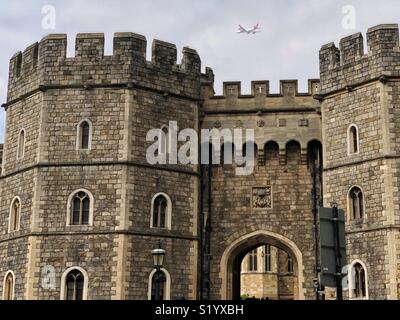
81	208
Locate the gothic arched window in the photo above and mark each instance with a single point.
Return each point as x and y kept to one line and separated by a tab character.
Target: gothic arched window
84	135
15	215
74	285
356	203
253	260
161	211
352	140
360	282
8	286
80	208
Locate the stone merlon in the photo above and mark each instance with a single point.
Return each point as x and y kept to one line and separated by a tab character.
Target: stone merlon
46	63
259	88
339	66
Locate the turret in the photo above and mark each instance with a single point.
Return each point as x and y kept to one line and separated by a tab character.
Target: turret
45	64
349	66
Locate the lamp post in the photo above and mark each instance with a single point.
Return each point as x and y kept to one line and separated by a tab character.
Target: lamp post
158	260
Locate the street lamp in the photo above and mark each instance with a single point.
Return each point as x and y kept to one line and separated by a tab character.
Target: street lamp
158	260
158	257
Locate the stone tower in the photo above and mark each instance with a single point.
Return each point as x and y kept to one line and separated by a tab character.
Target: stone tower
361	134
81	205
119	97
273	205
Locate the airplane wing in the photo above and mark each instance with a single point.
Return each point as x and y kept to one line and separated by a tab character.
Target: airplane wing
241	29
256	28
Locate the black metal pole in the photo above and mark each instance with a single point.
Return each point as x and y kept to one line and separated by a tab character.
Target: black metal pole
278	264
314	165
205	226
208	231
201	233
338	274
315	212
321	288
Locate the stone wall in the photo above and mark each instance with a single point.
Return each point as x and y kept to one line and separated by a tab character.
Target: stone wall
123	96
24	116
291	120
361	89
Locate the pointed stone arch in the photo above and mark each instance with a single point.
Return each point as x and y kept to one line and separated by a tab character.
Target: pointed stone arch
253	240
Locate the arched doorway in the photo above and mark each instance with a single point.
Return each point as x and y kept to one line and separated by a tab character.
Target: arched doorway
238	249
265	272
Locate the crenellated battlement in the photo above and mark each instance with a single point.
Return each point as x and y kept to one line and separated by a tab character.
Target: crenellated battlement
259	89
349	65
260	100
46	64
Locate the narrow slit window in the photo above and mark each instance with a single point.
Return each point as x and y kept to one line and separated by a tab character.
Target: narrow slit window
353	140
253	260
268	260
15	215
21	144
85	135
290	264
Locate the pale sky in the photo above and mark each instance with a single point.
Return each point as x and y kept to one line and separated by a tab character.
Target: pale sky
287	48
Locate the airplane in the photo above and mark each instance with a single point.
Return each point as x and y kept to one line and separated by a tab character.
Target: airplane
253	30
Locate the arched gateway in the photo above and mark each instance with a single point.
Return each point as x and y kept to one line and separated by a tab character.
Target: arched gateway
234	253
